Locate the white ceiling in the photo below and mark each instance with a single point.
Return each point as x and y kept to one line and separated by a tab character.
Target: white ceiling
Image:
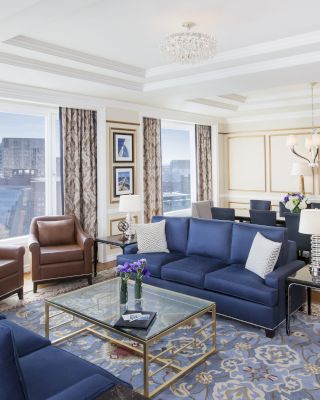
111	49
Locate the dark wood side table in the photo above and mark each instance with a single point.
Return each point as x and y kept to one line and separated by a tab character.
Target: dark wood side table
302	278
113	240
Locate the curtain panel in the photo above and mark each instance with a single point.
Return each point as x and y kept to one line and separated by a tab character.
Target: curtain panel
79	138
204	162
152	181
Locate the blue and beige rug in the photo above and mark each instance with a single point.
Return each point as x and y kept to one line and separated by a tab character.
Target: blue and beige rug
247	366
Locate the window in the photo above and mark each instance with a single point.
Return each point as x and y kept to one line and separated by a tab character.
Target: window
178	172
29	169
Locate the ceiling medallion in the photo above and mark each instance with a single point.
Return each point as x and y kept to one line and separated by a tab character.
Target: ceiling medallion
188	47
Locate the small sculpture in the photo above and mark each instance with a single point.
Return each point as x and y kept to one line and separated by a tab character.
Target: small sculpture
123	227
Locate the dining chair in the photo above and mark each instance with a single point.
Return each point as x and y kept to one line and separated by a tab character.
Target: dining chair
282	209
260	205
314	205
225	214
302	240
263	217
202	209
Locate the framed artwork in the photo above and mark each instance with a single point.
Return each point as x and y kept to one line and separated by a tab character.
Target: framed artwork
123	147
123	181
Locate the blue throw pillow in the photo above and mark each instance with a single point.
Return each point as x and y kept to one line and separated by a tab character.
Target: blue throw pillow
11	379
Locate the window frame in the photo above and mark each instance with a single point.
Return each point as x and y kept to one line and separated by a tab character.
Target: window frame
50	115
189	126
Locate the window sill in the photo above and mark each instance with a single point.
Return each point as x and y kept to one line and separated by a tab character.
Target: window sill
178	213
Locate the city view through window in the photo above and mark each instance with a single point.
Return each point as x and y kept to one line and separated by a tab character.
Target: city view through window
22	172
176	175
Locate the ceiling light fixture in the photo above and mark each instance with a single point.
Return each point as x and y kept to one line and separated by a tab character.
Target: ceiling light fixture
312	142
188	47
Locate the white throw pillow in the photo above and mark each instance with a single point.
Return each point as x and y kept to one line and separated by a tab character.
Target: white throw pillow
151	238
263	255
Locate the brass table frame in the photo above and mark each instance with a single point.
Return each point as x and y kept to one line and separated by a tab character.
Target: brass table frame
148	357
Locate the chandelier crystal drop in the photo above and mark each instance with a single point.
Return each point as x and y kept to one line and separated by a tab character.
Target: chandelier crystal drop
188	47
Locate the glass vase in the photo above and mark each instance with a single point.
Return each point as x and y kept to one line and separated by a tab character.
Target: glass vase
124	291
138	289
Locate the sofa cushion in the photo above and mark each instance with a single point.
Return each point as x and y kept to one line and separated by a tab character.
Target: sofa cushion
8	267
237	281
263	255
51	370
26	341
151	238
89	388
210	238
177	230
58	254
242	238
155	261
11	379
53	233
190	270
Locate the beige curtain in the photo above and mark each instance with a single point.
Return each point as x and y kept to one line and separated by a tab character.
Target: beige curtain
79	138
152	168
204	162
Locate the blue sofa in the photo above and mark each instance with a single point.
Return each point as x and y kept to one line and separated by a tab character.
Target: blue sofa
207	260
32	369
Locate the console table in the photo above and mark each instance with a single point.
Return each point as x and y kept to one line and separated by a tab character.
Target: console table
113	240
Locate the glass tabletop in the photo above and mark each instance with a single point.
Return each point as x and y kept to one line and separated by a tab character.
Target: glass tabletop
101	302
304	276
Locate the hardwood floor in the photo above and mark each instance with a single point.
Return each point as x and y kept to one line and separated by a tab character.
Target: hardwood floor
28	280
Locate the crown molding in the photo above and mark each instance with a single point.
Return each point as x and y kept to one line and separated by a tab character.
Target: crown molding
16	92
261	66
214	104
74	55
24	62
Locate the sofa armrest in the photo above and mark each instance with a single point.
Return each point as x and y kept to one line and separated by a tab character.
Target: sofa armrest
87	389
33	243
131	249
276	278
12	252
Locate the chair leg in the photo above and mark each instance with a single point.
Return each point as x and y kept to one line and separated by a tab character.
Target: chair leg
20	294
35	287
90	280
270	333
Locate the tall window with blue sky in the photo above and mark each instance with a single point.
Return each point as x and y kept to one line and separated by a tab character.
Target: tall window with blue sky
23	175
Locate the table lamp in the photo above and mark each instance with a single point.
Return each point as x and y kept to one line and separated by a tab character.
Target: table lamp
129	203
301	169
310	224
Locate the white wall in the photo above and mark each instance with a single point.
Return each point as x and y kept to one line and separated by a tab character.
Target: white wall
256	163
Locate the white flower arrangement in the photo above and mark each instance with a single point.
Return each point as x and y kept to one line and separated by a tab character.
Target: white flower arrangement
295	202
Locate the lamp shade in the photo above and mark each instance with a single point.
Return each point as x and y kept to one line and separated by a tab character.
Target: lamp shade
129	203
299	168
310	222
291	141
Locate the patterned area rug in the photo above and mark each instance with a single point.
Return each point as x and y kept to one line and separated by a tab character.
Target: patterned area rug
52	289
247	366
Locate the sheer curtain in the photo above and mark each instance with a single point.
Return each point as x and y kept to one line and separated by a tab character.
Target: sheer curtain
79	136
152	168
204	162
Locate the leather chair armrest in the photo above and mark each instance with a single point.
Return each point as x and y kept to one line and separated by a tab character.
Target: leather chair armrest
12	252
33	243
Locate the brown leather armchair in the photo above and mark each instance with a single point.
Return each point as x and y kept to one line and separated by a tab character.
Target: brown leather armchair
60	249
11	271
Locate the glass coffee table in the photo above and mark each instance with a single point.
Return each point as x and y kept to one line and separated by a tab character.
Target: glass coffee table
99	305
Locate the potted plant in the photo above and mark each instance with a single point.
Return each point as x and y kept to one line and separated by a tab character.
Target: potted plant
295	202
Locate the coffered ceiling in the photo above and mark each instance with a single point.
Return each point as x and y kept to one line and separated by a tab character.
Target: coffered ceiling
110	49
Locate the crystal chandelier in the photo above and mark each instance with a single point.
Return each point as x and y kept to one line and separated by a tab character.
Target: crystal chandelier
312	142
188	47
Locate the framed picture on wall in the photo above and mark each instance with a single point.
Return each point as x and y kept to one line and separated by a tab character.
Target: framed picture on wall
123	147
123	181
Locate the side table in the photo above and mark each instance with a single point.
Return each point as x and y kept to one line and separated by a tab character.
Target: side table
302	278
113	240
